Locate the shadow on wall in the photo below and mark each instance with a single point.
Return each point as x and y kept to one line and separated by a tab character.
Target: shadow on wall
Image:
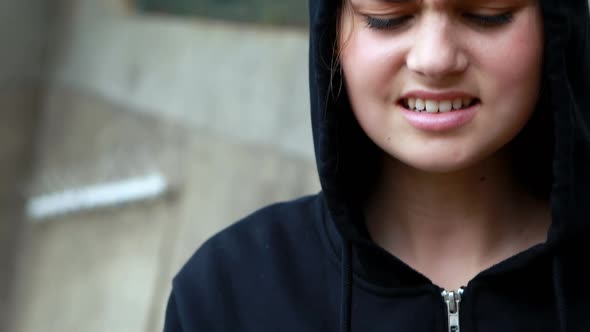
23	37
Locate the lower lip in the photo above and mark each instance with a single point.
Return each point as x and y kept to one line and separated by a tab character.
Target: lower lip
440	121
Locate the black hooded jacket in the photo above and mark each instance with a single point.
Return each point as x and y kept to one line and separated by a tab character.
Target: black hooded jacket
310	265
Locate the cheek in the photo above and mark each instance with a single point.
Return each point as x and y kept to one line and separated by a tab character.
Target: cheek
514	64
370	64
368	72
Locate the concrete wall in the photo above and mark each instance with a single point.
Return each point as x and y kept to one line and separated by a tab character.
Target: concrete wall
208	75
23	38
23	27
18	106
221	110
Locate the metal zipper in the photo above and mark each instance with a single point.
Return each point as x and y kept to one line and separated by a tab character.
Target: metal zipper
452	299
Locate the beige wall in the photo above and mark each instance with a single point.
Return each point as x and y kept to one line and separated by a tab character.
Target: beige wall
221	111
244	82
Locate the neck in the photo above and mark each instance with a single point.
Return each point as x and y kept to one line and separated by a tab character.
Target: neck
450	226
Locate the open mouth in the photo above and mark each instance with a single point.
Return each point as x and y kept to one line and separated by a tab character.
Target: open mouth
438	106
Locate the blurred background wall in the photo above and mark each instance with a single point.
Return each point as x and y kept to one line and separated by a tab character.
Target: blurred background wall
97	91
23	41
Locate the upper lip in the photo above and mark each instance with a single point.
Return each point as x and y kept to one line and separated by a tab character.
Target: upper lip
437	96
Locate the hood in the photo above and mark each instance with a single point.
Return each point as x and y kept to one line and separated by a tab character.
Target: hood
558	133
556	141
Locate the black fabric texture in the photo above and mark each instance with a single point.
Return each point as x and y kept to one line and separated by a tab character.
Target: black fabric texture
310	264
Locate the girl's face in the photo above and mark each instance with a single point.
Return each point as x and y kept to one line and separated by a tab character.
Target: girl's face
441	84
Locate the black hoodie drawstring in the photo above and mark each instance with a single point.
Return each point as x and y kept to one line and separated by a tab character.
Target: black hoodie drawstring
346	284
560	302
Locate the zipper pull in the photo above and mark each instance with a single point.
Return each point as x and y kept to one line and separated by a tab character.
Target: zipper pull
452	300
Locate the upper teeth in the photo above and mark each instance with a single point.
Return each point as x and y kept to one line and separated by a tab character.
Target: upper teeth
433	106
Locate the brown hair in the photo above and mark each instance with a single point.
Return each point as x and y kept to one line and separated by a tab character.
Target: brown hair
337	47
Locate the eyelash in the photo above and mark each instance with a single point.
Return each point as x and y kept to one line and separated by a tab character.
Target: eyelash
485	21
490	21
387	23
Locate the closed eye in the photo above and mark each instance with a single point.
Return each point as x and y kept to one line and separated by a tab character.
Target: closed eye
387	23
489	21
485	21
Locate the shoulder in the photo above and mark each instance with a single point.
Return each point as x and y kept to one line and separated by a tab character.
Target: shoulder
256	274
274	225
258	241
254	266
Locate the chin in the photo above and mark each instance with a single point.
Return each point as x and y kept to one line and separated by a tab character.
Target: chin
439	164
438	167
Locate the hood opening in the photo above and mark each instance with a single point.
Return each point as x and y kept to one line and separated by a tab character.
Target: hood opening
551	155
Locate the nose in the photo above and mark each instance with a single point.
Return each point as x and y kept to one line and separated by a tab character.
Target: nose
436	52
